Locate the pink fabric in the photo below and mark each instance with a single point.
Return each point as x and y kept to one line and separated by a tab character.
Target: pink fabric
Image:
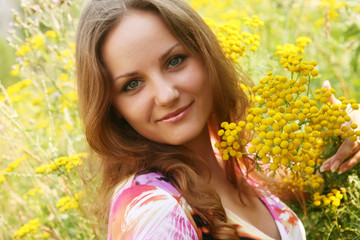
148	206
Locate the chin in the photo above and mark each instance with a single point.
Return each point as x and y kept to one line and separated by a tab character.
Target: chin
180	141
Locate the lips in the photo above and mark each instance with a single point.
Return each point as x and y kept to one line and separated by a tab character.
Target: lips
176	115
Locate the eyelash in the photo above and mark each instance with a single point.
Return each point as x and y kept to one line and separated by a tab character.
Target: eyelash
180	57
125	88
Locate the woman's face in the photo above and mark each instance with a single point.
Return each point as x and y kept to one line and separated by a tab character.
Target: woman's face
159	87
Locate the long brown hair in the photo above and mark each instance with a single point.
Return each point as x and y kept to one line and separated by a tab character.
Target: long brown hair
121	150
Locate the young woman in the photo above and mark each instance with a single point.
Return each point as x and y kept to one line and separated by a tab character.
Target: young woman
153	88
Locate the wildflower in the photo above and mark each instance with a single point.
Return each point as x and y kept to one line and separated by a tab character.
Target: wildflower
333	198
64	77
290	127
23	50
51	34
12	166
46	235
67	202
72	47
332	6
37	41
2	177
234	43
68	162
28	228
33	192
16	87
15	69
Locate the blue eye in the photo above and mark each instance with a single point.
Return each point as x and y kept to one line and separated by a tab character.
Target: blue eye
175	61
131	85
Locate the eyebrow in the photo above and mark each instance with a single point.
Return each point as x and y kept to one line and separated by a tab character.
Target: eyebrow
162	57
168	52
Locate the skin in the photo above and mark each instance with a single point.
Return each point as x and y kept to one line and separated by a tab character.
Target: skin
348	155
161	89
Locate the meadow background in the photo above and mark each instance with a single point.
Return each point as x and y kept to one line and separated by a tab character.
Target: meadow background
41	138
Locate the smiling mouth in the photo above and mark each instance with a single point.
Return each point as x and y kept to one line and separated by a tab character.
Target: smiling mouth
177	115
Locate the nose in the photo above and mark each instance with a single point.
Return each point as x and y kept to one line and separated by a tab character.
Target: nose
165	92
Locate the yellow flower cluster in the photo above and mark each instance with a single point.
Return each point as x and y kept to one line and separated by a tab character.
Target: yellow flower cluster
23	50
234	43
29	228
332	4
41	98
66	57
67	202
292	49
298	182
13	91
332	7
206	8
35	42
46	235
64	77
68	162
15	70
68	100
44	41
335	117
11	166
231	144
333	198
51	34
33	192
254	21
290	124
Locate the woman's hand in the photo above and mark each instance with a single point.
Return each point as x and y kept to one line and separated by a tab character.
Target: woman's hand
348	148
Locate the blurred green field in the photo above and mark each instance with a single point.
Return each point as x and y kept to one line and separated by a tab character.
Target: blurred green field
41	136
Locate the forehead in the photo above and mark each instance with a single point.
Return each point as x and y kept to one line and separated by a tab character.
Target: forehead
138	34
135	22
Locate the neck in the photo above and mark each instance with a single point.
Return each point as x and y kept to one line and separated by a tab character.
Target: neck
202	146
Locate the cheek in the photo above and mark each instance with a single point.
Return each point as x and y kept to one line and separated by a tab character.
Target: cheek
204	89
132	110
197	79
203	86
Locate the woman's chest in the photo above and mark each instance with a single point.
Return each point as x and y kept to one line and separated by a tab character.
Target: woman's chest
254	214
